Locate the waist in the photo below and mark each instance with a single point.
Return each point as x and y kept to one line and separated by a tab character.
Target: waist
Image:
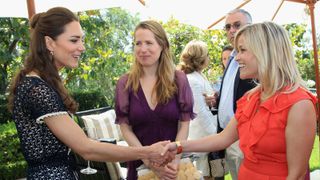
267	167
51	161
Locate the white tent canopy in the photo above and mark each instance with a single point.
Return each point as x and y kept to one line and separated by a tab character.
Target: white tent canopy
200	13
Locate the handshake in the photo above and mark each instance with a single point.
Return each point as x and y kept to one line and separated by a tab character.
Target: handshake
162	153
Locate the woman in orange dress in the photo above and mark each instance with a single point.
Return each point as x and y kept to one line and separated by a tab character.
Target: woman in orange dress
276	121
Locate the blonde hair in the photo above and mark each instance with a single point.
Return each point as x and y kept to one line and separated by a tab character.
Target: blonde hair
194	56
165	87
272	48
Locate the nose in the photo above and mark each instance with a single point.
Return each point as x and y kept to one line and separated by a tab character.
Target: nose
82	47
237	58
233	29
143	47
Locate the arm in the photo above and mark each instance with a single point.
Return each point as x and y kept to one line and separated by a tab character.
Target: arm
300	133
210	143
66	130
129	135
131	138
170	171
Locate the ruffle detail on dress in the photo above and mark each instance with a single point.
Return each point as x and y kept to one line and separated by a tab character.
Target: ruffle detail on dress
40	119
283	100
248	105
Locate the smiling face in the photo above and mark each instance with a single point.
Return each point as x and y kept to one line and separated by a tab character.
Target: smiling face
248	63
146	49
68	46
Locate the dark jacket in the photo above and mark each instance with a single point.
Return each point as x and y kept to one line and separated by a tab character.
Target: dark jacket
240	87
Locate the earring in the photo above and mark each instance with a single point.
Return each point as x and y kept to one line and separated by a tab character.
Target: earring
52	53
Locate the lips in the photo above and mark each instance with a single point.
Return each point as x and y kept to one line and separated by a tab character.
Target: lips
76	56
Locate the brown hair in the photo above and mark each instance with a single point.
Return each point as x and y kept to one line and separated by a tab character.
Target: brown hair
39	60
165	87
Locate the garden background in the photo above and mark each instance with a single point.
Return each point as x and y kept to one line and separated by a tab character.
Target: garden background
108	55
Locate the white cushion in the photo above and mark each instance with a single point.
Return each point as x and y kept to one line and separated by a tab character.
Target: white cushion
106	128
104	123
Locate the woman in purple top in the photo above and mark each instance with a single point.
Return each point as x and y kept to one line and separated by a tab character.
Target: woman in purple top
153	101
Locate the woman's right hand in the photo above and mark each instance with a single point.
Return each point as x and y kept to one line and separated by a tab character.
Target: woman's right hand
168	172
158	156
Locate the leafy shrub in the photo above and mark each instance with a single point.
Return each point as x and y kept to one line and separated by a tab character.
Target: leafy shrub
89	99
5	115
12	163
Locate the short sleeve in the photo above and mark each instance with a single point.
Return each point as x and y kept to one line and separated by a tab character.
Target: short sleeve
44	102
122	101
185	97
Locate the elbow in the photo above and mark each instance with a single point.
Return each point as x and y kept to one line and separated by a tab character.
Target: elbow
86	152
297	176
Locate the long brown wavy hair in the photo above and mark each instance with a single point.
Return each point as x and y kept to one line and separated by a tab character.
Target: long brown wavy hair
51	23
165	87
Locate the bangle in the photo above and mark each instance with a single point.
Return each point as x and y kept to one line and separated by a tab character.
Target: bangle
179	147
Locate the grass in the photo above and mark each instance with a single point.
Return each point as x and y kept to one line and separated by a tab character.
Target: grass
314	159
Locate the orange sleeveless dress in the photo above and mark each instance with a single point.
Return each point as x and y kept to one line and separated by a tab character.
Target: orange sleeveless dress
261	129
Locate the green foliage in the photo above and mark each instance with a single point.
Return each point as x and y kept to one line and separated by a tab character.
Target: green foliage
314	159
4	112
89	99
180	34
108	51
303	51
14	37
12	163
216	40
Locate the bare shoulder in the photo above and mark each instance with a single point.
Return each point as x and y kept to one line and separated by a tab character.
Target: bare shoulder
302	112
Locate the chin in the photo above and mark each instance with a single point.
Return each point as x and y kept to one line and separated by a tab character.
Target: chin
244	76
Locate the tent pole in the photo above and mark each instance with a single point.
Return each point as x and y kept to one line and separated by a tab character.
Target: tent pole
274	15
240	6
315	54
31	8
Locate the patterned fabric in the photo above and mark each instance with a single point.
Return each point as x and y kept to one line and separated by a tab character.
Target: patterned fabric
262	124
47	156
106	128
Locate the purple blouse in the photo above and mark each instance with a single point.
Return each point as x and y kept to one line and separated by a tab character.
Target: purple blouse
151	126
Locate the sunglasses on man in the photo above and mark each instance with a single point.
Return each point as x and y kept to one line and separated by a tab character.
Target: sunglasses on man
235	25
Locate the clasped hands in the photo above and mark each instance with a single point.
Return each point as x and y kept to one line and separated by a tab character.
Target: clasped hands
162	153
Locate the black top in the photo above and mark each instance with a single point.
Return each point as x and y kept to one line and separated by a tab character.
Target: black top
46	155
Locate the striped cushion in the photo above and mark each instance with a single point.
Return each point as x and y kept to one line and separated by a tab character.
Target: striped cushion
104	123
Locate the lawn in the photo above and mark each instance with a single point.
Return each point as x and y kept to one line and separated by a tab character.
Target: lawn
314	160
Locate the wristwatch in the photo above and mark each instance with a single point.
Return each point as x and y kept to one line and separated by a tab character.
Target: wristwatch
179	147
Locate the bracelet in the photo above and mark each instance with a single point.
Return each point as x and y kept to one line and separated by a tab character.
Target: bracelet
179	147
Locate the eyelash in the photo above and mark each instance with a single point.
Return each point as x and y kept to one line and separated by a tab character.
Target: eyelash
139	43
242	50
74	40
